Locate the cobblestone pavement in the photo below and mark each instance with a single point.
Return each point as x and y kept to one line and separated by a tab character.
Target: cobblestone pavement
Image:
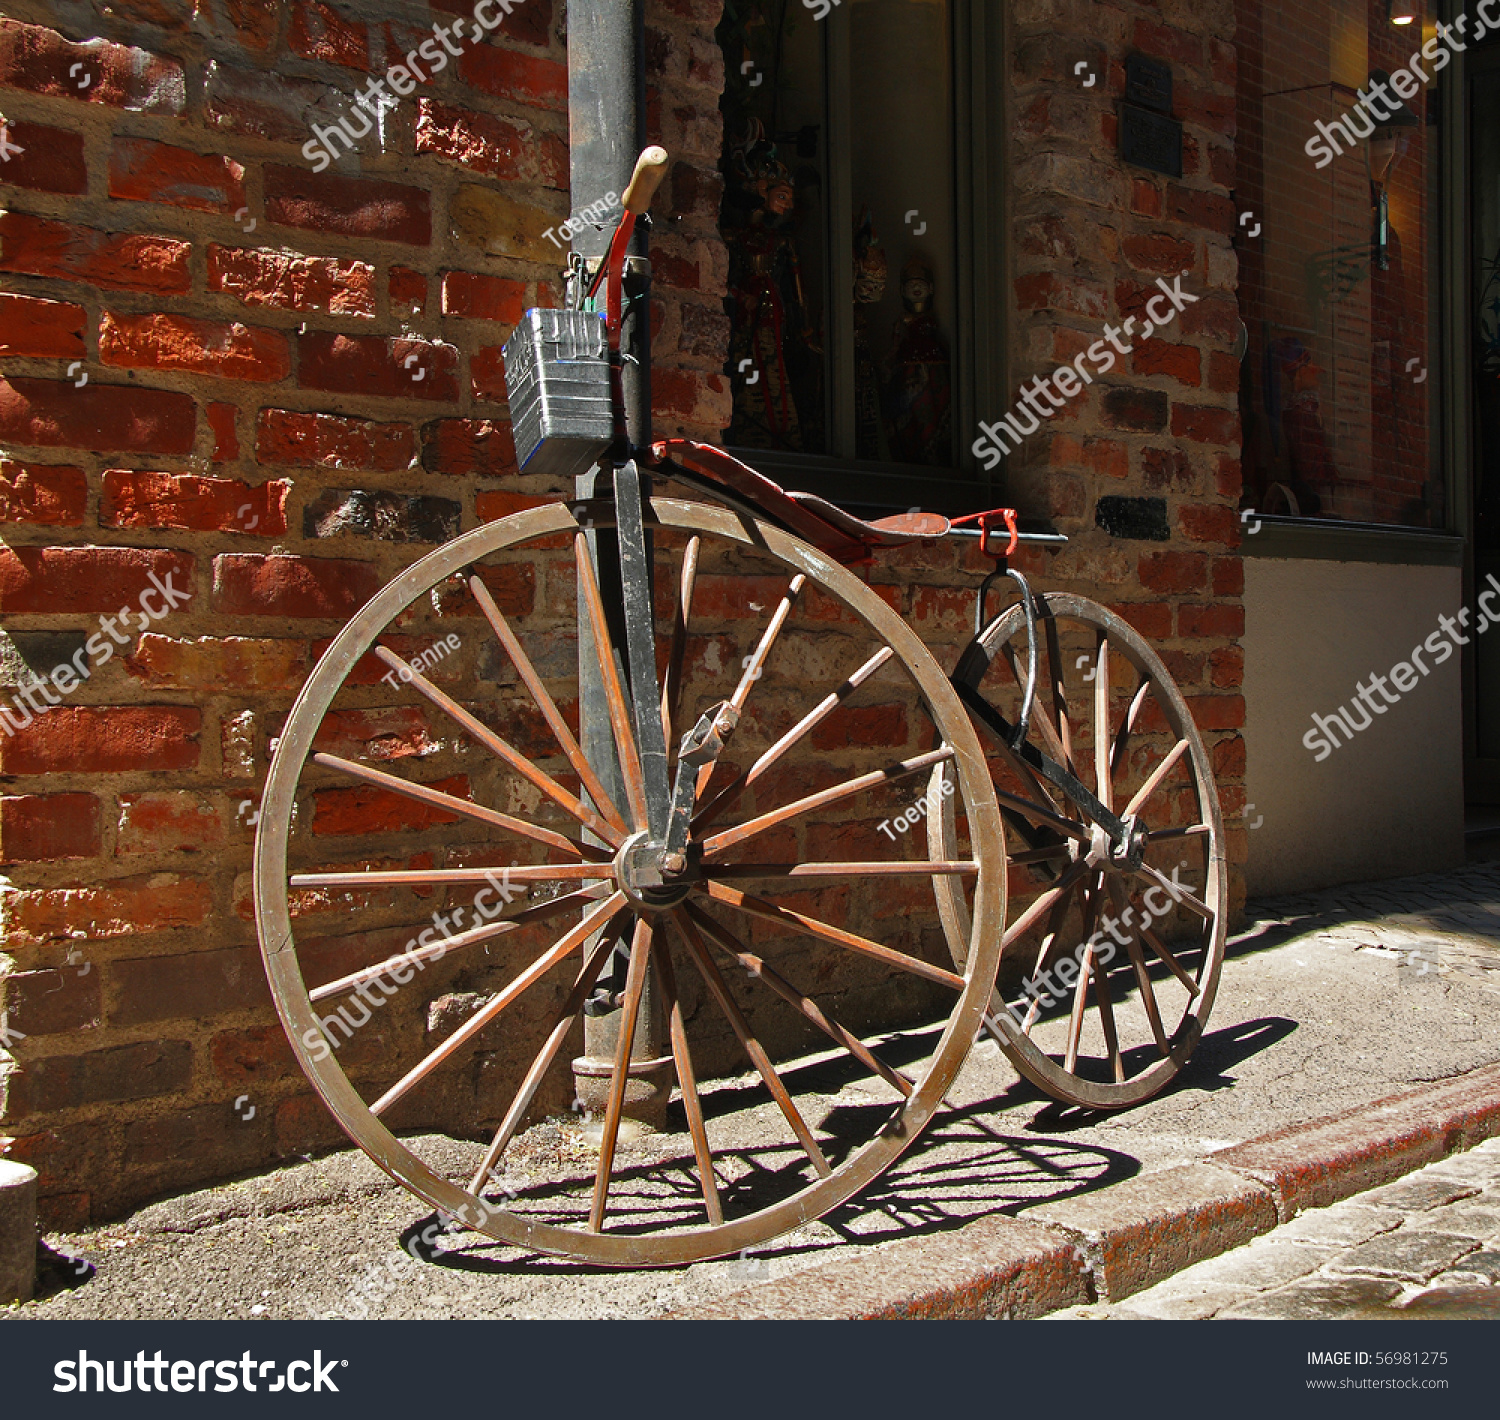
1328	1001
1425	1247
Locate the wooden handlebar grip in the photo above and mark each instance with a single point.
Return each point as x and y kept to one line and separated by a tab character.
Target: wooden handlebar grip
650	169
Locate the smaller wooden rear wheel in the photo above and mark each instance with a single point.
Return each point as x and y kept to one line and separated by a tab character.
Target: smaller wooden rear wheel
1118	953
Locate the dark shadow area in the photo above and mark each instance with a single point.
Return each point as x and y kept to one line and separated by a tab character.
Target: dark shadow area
57	1272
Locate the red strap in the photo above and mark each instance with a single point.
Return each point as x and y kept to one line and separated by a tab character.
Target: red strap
988	522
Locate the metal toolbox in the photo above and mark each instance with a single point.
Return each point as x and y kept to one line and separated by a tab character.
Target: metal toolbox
557	376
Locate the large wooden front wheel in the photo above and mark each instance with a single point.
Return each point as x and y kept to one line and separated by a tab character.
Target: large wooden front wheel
1110	964
445	882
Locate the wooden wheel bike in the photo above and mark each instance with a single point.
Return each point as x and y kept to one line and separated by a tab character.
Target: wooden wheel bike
451	875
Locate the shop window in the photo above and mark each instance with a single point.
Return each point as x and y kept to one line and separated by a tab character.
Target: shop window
1337	162
846	173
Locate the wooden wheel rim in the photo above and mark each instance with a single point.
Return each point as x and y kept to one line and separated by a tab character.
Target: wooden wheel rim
298	1015
1024	1053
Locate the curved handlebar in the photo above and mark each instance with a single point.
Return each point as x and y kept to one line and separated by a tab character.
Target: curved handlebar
650	169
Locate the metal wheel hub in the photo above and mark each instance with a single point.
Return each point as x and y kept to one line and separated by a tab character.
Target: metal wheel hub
650	875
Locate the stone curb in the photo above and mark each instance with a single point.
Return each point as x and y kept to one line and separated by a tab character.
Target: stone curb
1108	1245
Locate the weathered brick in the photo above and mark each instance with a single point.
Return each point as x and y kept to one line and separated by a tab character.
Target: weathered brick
49	495
401	733
1205	426
166	342
52	1002
177	821
234	663
203	1141
122	418
497	504
122	1072
320	32
120	908
133	499
393	517
55	580
195	984
517	78
1217	712
365	810
248	1057
1143	411
391	367
1213	522
40	329
503	224
104	740
50	160
476	297
262	104
249	585
347	206
286	280
1174	571
504	148
41	61
1217	622
487	374
141	170
303	440
37	246
407	290
469	446
1183	363
36	828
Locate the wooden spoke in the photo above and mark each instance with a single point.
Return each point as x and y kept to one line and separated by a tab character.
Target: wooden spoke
714	980
1086	970
901	868
762	651
545	703
614	691
1122	740
799	922
1176	891
1105	788
1027	919
671	690
1157	775
502	748
635	984
416	877
732	836
1142	975
757	967
1107	1020
1169	959
755	665
1053	937
820	712
420	956
1059	695
522	983
562	1023
687	1080
450	803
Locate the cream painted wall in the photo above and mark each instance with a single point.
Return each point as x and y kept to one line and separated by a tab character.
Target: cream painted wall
1389	802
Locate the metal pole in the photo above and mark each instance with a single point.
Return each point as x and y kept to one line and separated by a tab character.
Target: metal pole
607	131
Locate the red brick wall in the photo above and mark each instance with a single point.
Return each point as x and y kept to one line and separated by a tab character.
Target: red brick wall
246	385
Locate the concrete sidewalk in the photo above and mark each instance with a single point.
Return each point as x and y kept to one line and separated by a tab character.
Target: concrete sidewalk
1009	1205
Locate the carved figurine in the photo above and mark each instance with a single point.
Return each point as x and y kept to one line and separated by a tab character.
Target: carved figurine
919	394
768	317
870	270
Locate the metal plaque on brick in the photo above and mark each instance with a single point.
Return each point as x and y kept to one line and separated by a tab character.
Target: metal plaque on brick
1148	83
1150	140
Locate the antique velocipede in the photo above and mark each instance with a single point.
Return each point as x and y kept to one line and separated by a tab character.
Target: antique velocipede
723	855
